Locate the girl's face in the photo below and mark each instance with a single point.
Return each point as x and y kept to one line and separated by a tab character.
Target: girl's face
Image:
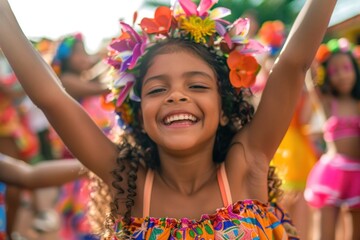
181	106
341	73
79	59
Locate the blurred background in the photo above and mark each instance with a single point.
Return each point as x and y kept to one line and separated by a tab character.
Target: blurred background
99	19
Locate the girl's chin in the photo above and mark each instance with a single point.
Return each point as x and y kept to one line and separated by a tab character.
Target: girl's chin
179	145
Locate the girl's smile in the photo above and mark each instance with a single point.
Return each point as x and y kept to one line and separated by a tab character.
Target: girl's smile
180	119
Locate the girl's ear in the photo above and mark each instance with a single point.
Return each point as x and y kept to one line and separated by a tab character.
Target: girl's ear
224	120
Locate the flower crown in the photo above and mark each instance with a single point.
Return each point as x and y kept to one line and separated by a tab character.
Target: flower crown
43	45
64	50
341	45
186	20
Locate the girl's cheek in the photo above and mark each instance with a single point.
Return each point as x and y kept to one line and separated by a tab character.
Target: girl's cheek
348	67
332	72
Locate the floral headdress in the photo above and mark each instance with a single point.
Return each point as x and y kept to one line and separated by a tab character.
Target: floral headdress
64	50
200	24
341	45
43	45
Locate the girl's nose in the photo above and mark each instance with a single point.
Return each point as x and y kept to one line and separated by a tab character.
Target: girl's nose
176	97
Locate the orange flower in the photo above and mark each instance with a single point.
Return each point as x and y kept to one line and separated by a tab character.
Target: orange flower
243	69
160	24
323	53
273	33
105	104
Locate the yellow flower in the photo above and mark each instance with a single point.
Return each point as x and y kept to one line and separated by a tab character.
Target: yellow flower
320	76
198	28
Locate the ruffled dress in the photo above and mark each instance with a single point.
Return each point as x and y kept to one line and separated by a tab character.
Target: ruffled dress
248	219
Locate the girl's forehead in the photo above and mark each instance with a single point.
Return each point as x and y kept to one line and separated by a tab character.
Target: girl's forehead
339	59
178	62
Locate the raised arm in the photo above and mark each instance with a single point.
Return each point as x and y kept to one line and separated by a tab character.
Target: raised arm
79	89
81	135
264	133
45	174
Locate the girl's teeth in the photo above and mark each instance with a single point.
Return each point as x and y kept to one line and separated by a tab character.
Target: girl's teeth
171	119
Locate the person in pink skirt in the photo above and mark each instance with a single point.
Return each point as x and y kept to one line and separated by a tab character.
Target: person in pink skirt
334	182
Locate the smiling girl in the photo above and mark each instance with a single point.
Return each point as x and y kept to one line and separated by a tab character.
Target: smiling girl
193	162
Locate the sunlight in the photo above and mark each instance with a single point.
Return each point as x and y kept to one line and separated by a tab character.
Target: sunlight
95	19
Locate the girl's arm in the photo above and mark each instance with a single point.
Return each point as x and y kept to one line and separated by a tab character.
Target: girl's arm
45	174
263	135
78	88
80	134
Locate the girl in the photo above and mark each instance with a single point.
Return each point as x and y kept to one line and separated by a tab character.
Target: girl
334	181
186	155
15	172
78	71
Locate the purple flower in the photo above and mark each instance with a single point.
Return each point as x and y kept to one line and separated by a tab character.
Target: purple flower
126	49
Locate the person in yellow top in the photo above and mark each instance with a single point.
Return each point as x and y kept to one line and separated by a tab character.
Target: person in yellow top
293	160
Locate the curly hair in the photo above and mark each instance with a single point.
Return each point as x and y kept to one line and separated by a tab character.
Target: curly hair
137	147
328	89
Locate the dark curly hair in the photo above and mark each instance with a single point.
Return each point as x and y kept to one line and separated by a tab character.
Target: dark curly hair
328	89
136	147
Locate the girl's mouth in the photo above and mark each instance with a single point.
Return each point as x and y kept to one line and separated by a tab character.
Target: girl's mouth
182	118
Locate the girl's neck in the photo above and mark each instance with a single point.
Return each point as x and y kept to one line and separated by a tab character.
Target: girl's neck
187	174
344	97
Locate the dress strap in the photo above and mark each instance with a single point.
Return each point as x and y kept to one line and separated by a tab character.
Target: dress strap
224	185
147	192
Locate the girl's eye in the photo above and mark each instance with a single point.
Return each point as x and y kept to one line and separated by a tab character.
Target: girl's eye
198	87
156	90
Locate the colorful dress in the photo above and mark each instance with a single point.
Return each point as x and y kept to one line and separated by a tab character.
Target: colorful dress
248	219
14	125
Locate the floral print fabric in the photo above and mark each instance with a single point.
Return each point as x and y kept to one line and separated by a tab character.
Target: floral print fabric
247	219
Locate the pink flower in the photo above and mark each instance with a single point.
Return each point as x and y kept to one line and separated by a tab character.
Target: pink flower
237	32
236	38
191	9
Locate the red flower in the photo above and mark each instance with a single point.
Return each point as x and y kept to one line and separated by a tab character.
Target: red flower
160	24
